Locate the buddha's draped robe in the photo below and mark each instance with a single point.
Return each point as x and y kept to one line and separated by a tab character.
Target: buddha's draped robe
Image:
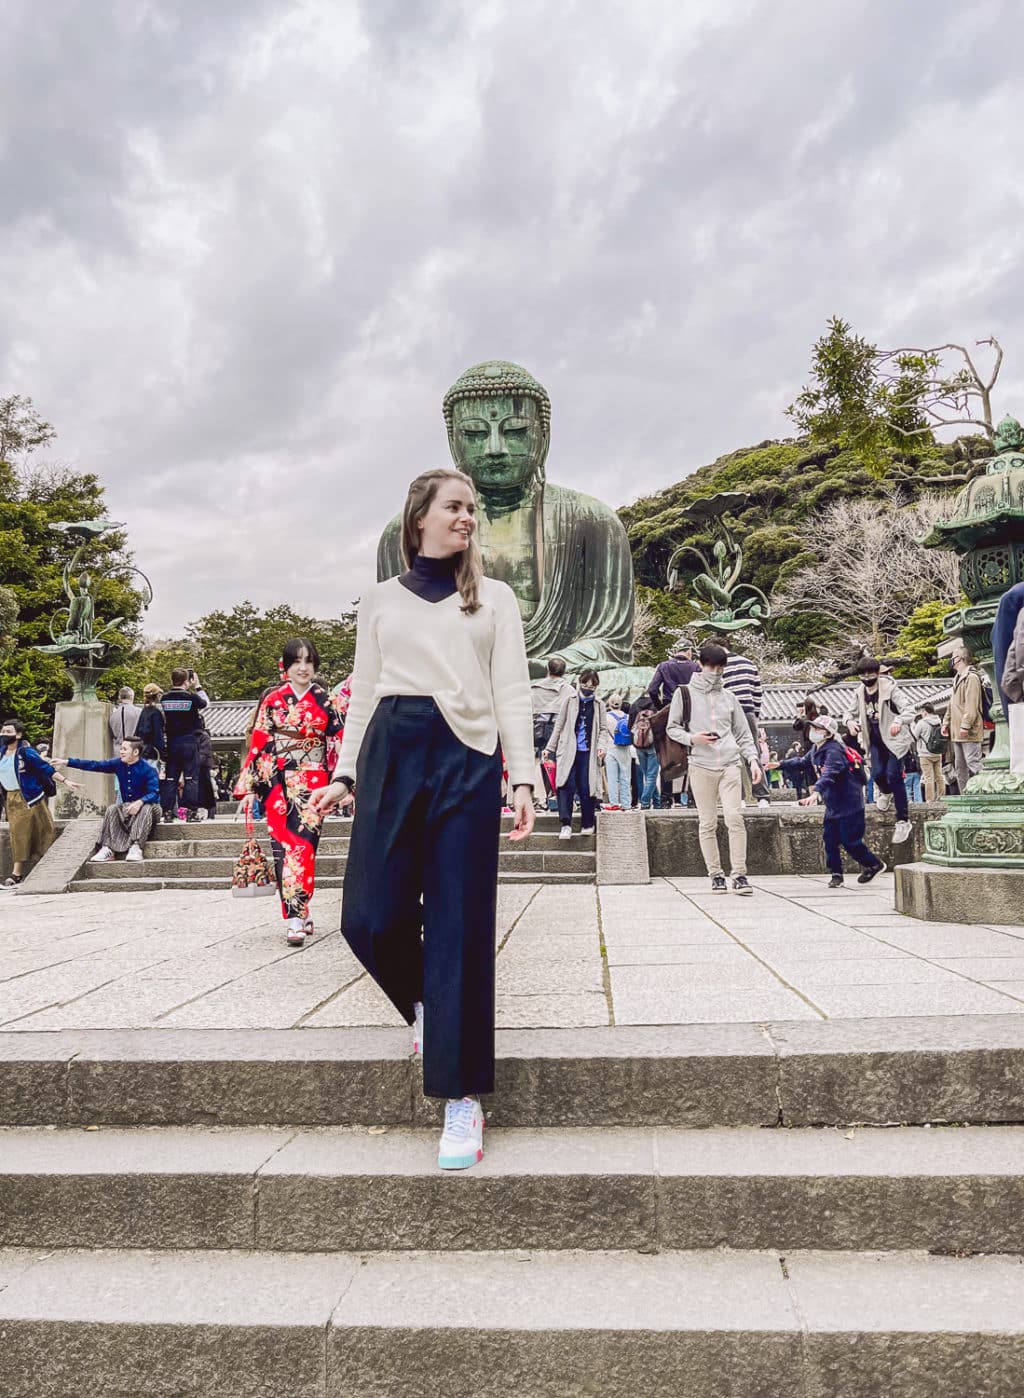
585	612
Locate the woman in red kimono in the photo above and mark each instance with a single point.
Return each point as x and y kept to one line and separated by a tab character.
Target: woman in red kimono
285	763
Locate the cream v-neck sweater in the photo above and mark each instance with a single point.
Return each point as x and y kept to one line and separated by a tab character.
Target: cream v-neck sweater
473	667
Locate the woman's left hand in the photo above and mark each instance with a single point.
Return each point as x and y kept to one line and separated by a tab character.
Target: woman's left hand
522	806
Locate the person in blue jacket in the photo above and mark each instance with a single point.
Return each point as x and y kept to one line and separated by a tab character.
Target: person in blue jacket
843	797
1010	606
26	780
129	822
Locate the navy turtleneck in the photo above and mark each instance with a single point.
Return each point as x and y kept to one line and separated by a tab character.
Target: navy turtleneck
433	579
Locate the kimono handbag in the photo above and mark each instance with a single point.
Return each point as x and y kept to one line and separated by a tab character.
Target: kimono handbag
673	757
253	876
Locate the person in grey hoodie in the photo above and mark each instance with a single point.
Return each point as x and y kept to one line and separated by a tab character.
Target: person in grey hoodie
719	739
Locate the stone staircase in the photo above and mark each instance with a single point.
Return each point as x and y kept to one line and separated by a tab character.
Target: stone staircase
202	855
695	1212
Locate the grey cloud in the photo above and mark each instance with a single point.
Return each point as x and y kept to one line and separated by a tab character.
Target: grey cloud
249	245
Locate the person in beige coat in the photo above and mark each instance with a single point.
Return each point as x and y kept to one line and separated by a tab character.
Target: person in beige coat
578	744
965	723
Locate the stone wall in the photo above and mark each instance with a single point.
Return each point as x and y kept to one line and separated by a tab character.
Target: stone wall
6	863
778	842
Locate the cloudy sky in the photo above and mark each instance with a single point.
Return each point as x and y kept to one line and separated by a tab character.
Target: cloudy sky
247	245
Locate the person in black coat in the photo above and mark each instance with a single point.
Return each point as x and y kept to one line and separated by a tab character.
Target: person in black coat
150	727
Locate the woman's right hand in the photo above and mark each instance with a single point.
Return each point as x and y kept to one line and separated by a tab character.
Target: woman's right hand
325	798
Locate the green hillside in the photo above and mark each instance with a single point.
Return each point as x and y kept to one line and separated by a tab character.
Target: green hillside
787	482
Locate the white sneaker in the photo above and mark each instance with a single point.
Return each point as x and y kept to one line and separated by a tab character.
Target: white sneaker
295	929
102	855
764	802
462	1141
903	831
587	830
565	833
417	1029
134	853
883	800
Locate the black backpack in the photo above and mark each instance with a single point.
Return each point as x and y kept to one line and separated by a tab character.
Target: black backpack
543	727
934	741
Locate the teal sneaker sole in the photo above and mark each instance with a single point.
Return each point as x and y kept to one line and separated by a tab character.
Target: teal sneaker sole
460	1162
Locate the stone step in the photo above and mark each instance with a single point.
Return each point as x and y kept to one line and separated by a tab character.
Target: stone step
539	1324
170	844
546	823
172	869
940	1189
959	1069
149	882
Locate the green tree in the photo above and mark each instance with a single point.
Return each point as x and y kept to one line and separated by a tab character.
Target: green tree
22	430
32	557
8	620
875	401
659	619
237	651
920	639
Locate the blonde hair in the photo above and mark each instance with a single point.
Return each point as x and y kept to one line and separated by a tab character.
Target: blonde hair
470	568
615	701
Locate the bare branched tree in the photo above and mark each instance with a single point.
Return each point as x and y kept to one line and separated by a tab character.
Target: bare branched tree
871	571
774	665
645	623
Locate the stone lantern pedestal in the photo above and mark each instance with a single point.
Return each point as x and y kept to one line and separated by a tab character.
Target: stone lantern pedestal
973	866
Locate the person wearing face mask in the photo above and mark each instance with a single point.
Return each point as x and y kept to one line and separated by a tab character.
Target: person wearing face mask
26	780
842	793
881	718
719	739
286	764
440	689
578	745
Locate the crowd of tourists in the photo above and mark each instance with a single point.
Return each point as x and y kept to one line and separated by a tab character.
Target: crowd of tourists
165	768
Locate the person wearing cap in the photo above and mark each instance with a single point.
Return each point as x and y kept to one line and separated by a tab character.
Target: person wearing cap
842	795
881	717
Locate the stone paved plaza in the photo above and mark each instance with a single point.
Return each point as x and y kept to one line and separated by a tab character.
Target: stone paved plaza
570	956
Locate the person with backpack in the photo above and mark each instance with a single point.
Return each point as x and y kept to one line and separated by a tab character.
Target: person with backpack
640	714
931	748
840	787
618	756
150	727
707	718
26	783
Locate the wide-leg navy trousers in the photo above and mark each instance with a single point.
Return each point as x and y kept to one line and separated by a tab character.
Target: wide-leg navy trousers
421	885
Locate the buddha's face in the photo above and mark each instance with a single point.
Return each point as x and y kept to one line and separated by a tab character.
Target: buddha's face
501	441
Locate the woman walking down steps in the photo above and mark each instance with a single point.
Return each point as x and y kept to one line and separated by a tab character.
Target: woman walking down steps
285	765
440	688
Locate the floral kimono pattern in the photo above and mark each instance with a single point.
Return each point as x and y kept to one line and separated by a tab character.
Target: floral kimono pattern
286	762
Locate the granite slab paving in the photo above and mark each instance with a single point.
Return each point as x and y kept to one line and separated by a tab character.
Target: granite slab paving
665	953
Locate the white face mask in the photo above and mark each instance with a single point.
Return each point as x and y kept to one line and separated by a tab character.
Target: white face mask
818	735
